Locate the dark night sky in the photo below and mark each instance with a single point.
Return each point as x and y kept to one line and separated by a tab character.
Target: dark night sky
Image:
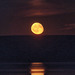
17	16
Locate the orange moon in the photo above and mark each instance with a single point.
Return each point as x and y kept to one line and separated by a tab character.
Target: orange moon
37	28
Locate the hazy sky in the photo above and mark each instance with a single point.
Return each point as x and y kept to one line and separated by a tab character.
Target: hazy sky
17	16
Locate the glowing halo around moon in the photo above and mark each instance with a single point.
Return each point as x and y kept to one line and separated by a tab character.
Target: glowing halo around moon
37	28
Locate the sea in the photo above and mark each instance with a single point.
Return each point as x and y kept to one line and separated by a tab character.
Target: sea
55	52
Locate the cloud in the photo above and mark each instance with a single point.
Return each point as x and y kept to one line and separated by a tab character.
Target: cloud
69	27
40	7
36	2
25	8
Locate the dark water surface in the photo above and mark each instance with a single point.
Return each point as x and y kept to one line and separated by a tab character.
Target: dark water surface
51	68
57	53
37	48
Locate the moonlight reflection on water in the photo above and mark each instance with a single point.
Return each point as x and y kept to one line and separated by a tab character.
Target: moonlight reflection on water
37	69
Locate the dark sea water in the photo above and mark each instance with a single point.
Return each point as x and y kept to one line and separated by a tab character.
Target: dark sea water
56	52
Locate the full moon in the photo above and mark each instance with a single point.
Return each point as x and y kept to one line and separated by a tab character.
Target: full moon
37	28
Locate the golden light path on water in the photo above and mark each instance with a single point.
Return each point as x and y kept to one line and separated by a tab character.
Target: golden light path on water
37	69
